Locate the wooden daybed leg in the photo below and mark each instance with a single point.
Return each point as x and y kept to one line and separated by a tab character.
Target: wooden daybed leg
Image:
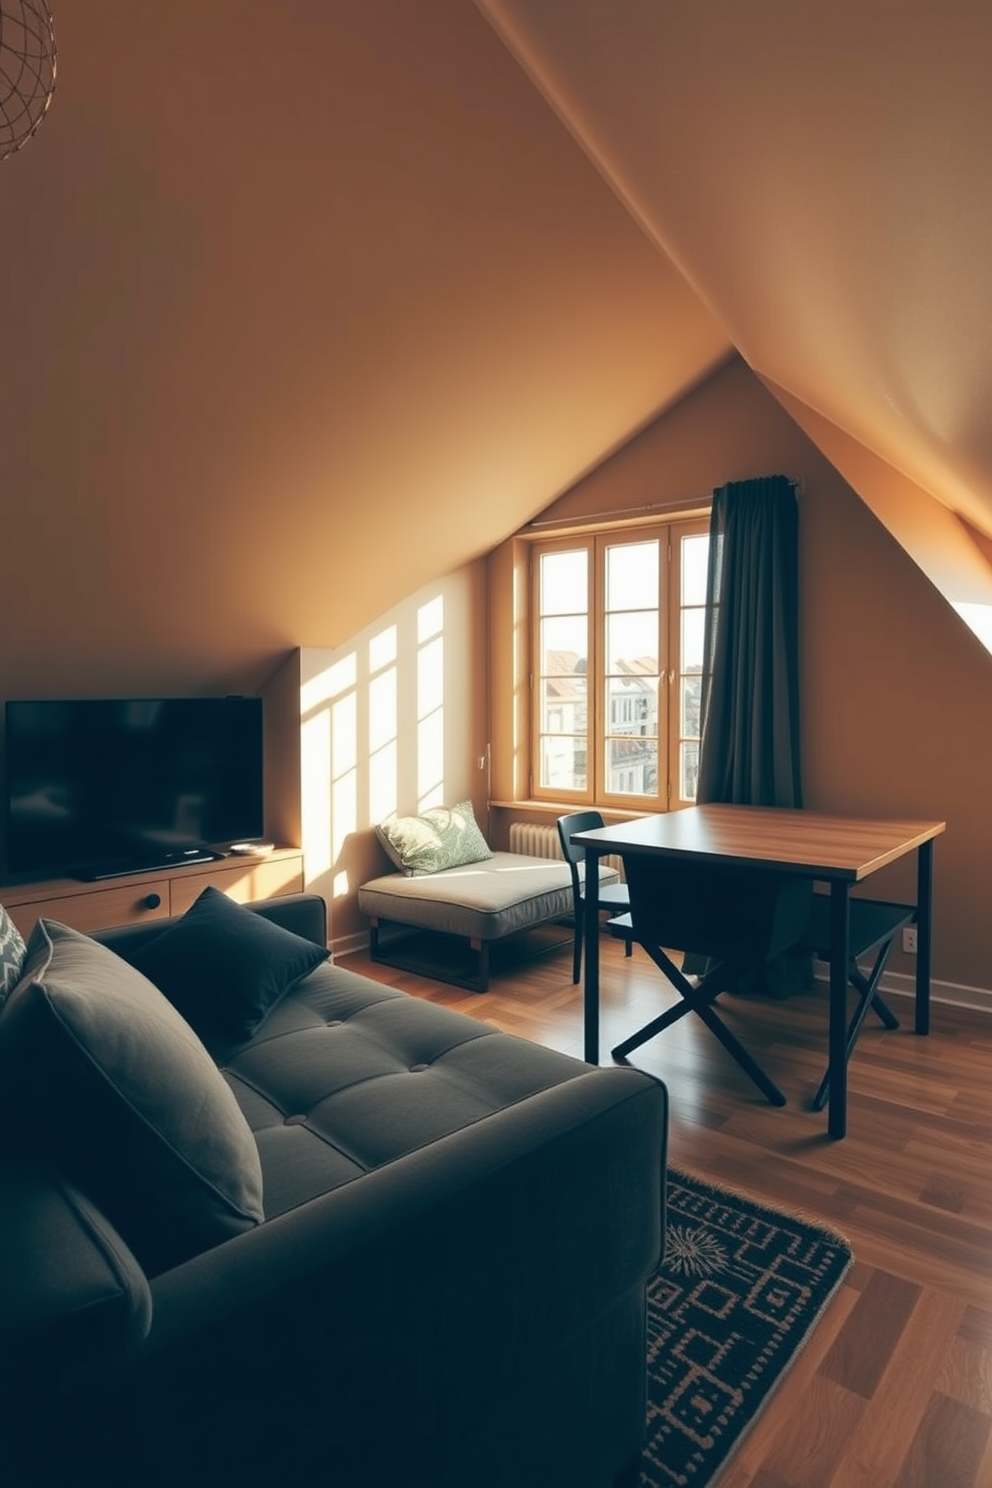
373	938
482	946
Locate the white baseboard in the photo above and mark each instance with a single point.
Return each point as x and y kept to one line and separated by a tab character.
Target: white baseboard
345	945
898	984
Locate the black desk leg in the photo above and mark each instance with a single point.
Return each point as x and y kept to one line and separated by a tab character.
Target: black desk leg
924	921
840	936
591	975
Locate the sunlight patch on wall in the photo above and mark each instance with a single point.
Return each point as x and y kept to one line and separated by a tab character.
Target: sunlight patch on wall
315	779
344	806
382	648
430	761
329	763
430	619
344	776
333	679
383	765
978	617
383	756
386	723
430	704
344	733
383	724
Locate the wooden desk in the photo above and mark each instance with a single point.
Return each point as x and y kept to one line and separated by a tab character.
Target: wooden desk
840	850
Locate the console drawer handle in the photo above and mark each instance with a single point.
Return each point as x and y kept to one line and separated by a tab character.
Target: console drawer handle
151	901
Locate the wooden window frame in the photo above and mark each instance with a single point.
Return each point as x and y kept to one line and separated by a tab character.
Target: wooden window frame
595	542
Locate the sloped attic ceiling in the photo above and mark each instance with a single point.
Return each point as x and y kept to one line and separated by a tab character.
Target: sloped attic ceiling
304	303
307	302
819	173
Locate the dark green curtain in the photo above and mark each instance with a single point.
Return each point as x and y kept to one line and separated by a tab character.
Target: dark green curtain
750	751
749	754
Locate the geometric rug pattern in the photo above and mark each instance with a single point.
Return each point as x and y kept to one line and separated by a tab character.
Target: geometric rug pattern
740	1290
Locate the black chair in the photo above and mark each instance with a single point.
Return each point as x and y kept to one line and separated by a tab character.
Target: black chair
873	925
613	897
737	918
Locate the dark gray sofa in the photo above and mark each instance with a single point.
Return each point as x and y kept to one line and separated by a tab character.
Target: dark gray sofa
447	1286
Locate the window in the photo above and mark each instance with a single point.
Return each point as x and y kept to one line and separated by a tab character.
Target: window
618	622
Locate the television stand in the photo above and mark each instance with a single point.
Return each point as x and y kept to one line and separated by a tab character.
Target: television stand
135	897
164	864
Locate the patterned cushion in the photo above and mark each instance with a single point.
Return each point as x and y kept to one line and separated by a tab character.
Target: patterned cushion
444	837
12	952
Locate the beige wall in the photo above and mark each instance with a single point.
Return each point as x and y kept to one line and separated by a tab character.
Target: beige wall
394	720
897	703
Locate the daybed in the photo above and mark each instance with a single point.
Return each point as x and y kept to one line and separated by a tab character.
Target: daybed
361	1241
449	888
477	904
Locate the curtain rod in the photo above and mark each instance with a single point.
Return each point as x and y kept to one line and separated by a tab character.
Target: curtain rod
796	482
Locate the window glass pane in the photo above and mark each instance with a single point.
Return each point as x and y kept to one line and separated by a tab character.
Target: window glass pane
632	766
632	706
563	763
693	627
563	645
632	642
689	770
564	582
564	705
695	555
632	576
615	707
691	692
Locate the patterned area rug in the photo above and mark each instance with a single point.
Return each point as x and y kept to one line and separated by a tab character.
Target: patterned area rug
740	1291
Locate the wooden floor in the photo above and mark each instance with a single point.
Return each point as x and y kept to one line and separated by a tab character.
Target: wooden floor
894	1389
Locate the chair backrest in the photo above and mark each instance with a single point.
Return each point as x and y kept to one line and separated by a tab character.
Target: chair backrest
574	852
715	909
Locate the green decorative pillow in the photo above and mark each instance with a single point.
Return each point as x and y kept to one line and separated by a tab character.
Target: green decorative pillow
224	967
12	953
443	837
101	1073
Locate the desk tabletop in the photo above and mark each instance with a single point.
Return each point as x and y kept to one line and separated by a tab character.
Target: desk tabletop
819	844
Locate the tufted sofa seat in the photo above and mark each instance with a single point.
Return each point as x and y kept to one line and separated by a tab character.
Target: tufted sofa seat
447	1286
347	1075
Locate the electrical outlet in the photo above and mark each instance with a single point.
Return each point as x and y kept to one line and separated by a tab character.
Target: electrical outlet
909	939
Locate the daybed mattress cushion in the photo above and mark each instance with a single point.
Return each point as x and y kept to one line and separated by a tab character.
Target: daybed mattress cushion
484	901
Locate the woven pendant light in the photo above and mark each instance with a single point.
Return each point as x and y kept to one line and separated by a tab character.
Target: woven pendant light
27	70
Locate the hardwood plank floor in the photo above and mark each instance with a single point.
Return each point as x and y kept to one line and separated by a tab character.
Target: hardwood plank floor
894	1389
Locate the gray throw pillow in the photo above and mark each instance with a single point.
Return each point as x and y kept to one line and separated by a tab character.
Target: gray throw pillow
12	952
109	1081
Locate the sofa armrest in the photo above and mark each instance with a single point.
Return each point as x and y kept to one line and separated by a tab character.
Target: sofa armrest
422	1323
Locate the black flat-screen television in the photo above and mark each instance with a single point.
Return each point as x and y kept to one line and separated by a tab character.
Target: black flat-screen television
98	787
